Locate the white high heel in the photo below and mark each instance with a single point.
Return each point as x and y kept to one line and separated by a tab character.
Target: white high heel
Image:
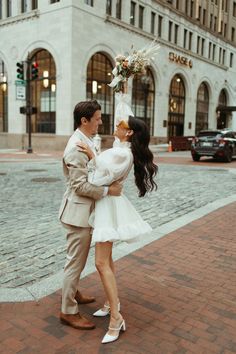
104	311
108	338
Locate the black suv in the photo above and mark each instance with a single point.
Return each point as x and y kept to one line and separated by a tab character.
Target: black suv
220	144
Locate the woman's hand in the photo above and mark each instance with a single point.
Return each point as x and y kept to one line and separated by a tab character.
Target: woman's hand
86	149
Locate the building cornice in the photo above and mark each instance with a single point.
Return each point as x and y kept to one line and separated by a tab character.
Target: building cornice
19	18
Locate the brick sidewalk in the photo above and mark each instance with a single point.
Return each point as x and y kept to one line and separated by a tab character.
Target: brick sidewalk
178	296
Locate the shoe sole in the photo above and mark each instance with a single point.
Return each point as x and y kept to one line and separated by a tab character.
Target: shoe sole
85	302
76	327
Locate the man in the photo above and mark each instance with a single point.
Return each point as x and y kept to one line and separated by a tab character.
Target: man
77	204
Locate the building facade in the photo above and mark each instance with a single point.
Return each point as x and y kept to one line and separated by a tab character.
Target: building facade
189	86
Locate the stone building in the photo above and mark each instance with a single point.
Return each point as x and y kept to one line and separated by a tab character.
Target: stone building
190	86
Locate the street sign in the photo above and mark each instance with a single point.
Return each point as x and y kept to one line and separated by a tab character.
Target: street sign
20	90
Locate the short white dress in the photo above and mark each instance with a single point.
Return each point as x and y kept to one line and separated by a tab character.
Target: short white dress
114	218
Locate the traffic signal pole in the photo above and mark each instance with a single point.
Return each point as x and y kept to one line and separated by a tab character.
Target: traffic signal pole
28	104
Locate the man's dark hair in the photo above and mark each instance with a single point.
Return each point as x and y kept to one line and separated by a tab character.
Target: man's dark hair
85	109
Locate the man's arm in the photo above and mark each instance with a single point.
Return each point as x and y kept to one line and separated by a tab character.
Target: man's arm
78	174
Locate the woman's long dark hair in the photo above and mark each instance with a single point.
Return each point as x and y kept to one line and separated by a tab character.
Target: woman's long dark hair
144	167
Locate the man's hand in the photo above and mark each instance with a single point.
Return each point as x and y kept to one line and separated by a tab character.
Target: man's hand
115	189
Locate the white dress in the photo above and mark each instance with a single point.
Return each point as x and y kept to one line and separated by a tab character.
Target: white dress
114	218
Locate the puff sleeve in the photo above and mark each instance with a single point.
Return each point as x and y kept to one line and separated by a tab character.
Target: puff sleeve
111	165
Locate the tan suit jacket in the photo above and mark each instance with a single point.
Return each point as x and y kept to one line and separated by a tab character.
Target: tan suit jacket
78	200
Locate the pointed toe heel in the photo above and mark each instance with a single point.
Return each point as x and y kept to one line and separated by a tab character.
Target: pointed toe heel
108	338
105	311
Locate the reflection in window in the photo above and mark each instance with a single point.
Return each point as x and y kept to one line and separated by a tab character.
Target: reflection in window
99	75
202	108
43	93
132	13
143	98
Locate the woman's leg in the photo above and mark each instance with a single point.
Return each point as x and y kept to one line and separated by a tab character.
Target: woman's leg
105	267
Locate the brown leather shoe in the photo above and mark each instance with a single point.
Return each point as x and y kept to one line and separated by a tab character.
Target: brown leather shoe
76	321
81	299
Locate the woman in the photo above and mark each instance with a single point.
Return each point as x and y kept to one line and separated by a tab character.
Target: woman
114	218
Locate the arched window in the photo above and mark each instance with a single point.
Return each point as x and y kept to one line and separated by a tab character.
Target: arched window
143	98
202	108
3	98
176	107
43	93
99	75
222	116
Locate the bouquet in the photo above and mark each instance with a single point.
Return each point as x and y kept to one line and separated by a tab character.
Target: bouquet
134	63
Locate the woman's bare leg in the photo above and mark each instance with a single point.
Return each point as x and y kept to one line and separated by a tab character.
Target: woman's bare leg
105	267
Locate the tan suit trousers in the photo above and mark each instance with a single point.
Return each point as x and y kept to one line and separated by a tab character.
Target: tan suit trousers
78	244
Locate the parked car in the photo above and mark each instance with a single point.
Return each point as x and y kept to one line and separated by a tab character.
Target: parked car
220	144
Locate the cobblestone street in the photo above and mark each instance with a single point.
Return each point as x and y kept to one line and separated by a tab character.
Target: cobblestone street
32	240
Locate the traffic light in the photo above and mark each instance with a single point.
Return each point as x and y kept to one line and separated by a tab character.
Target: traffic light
20	70
34	71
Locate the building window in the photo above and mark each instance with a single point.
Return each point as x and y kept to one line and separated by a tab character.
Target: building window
3	98
118	9
187	7
170	31
232	34
177	4
34	4
43	93
160	20
209	50
204	17
23	6
109	7
225	29
202	108
199	13
143	98
185	38
234	9
89	2
176	107
214	52
153	22
191	8
9	8
198	44
132	13
99	75
215	23
211	22
223	57
231	60
203	47
176	34
190	40
0	9
53	1
140	19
